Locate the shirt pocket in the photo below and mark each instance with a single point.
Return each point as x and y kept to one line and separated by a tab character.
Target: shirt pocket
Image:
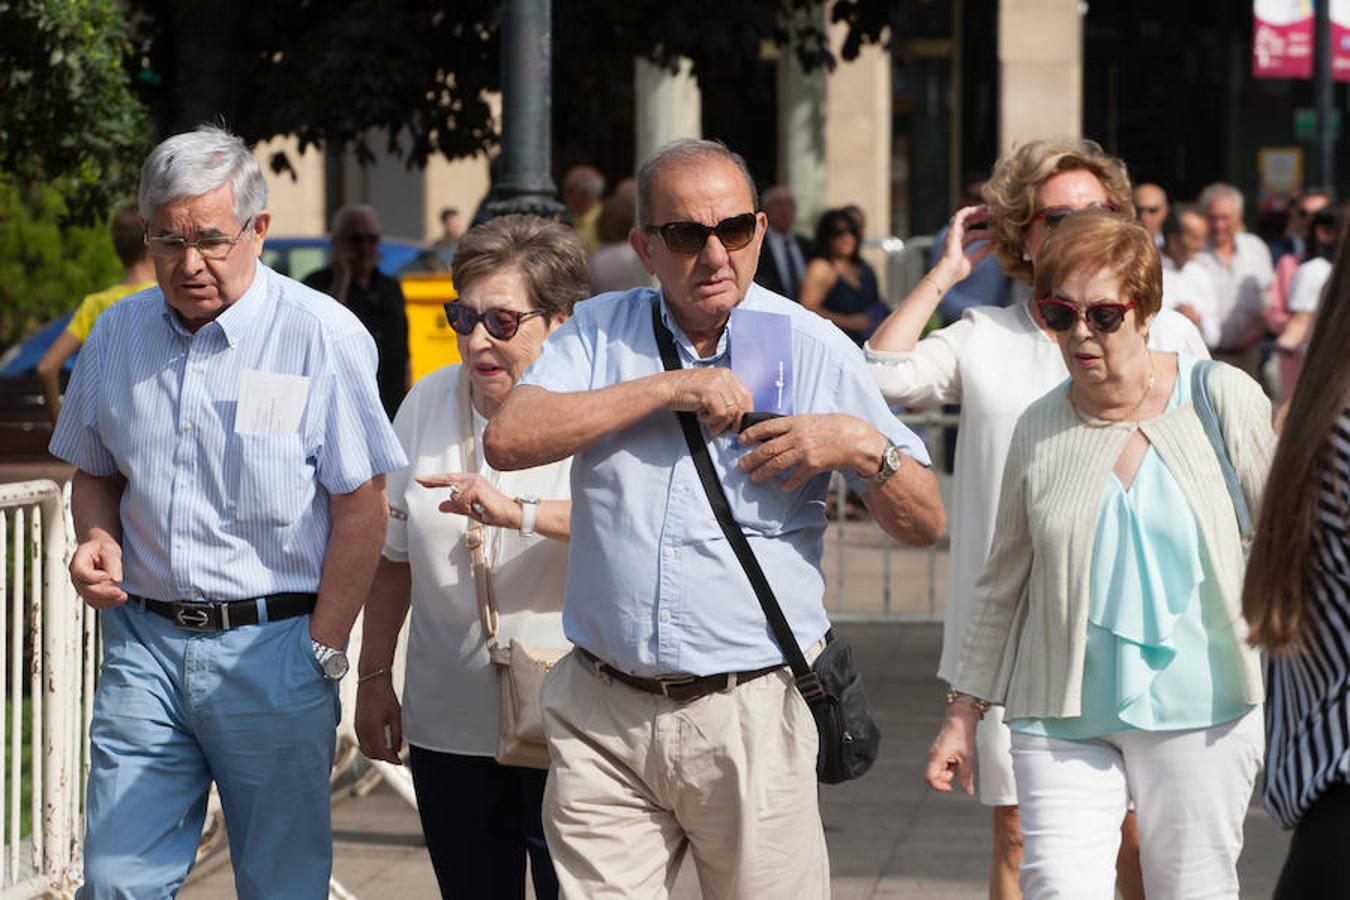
269	487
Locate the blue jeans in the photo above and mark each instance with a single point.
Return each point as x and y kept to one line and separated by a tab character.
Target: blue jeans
175	710
480	819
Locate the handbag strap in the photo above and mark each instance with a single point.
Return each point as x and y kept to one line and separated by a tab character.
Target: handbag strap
1203	401
717	497
476	535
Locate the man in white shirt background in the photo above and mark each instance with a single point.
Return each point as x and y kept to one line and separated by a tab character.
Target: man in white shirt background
1240	266
783	256
1187	285
1150	205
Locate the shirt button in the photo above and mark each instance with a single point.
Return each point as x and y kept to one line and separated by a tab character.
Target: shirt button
665	615
679	488
669	552
187	426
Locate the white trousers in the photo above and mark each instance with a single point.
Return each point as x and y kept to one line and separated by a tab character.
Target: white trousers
1191	790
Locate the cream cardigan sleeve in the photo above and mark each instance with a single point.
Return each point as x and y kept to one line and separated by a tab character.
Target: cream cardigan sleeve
1244	417
927	375
1000	602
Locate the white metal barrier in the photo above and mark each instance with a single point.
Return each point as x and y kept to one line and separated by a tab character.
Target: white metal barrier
46	677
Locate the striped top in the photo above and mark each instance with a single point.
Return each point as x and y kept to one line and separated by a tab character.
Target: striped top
1308	710
209	512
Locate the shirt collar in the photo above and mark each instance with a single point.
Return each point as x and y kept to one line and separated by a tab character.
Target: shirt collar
235	320
685	344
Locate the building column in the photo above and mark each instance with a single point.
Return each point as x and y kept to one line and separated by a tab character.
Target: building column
668	106
801	138
857	133
1040	51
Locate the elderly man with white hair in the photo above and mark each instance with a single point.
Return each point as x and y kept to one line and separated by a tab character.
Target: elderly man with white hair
1239	264
229	504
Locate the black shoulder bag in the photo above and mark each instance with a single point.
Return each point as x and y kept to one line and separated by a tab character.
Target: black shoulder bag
849	735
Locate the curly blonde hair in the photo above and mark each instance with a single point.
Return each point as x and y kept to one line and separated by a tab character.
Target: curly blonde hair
1010	192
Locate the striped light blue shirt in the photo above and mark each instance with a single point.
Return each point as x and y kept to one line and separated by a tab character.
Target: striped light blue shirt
209	513
652	585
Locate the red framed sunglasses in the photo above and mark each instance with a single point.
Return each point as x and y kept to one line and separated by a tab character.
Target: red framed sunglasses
1103	318
1053	215
500	322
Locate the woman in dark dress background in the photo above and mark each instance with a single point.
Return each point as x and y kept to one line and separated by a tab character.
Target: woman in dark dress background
838	284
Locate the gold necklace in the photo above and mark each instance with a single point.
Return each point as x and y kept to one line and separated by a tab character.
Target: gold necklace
1129	416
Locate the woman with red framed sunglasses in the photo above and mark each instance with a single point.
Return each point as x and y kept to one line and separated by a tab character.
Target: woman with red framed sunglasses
1107	620
994	362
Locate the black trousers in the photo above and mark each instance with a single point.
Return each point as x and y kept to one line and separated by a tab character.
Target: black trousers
1318	865
480	820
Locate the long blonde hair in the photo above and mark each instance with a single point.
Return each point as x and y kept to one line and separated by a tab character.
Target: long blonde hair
1276	599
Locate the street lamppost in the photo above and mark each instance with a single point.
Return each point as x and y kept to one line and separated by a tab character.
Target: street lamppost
525	185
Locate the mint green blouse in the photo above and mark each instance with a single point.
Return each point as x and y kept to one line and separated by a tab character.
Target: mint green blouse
1160	651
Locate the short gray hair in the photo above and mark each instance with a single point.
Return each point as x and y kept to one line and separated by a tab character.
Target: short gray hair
1216	191
344	215
198	162
682	152
548	254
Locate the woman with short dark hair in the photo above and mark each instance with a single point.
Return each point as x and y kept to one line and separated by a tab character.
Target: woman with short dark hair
517	279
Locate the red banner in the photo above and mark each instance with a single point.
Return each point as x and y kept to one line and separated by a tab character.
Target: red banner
1282	39
1340	40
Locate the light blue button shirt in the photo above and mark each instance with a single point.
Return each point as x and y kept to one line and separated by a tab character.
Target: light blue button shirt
208	513
652	586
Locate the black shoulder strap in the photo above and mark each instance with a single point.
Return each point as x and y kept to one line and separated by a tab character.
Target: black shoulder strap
698	449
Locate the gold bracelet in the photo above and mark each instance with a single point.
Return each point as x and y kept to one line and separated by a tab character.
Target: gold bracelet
370	676
981	706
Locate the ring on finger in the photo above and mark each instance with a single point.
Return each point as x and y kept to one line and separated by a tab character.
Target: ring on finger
454	490
478	508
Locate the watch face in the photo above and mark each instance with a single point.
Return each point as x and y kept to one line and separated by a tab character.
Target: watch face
335	666
894	457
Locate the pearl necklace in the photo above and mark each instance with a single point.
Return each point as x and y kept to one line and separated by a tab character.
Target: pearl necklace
1129	416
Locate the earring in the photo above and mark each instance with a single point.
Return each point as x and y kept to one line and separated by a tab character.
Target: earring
1026	257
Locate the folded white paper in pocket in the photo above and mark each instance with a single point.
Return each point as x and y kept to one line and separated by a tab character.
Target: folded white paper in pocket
270	402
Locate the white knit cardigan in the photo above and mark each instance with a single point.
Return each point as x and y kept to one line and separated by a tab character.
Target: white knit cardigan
1025	642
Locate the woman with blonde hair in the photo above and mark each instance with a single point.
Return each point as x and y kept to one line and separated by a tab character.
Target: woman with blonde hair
1297	603
994	362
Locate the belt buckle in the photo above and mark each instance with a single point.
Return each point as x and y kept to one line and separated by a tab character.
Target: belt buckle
668	683
194	616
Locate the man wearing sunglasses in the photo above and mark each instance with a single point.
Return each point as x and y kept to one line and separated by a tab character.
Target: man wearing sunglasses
355	280
675	725
229	503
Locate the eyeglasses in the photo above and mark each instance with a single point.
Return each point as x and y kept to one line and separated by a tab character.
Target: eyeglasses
1103	318
500	322
361	238
689	238
1053	215
171	246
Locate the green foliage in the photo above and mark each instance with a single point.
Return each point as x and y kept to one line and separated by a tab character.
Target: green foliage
66	109
46	266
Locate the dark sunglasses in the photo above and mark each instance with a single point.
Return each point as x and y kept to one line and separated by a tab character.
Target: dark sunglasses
1053	215
1148	210
689	238
1103	318
500	323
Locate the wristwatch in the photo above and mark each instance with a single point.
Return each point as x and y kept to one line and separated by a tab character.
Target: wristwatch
529	510
332	661
891	459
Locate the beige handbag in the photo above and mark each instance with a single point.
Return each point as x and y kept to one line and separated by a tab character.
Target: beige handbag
520	669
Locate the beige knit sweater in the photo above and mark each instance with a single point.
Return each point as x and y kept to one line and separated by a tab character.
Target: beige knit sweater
1025	643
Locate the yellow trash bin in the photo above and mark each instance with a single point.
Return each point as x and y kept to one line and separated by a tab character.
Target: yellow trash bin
431	340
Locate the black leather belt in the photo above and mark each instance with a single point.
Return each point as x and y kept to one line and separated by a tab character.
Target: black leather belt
681	689
221	616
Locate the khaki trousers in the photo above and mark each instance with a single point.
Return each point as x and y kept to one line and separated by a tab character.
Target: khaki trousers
637	779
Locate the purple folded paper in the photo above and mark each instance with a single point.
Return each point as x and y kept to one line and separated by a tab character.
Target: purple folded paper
761	357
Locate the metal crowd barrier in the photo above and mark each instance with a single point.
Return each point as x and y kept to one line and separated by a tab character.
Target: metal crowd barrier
47	662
